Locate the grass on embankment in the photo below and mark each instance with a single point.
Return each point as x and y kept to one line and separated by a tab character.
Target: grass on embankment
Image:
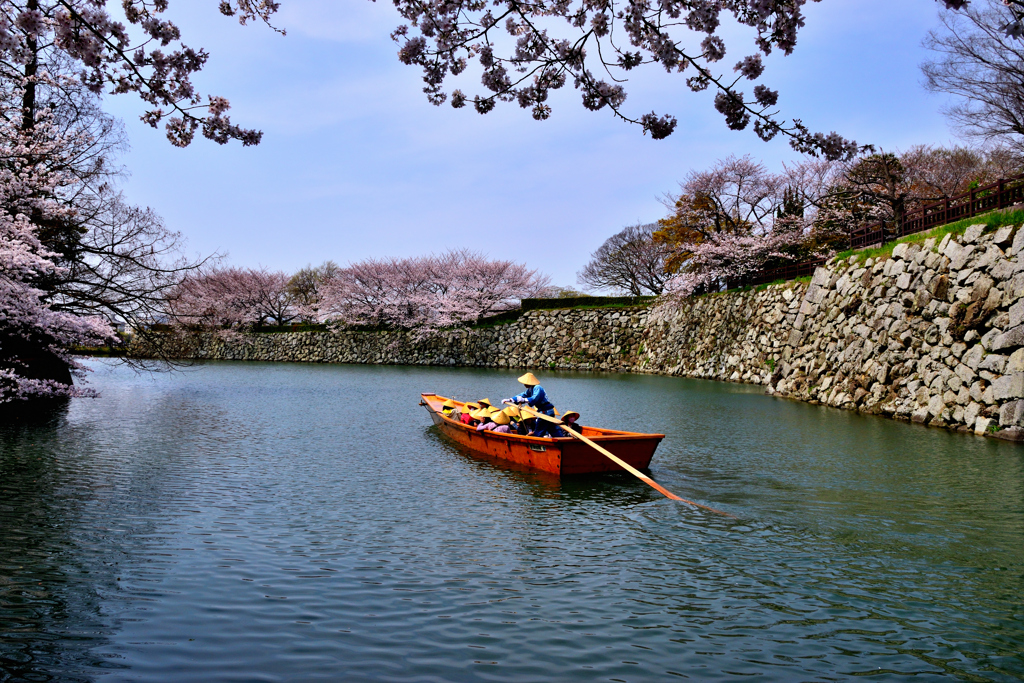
992	221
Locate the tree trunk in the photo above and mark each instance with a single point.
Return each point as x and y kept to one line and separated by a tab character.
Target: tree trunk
28	98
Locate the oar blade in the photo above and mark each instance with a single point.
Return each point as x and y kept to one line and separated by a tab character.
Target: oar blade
621	463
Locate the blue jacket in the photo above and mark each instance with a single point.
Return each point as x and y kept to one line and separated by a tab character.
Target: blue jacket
545	428
535	398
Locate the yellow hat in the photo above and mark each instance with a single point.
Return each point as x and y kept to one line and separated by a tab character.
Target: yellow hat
491	410
501	418
448	404
512	411
529	379
571	413
469	407
481	414
484	401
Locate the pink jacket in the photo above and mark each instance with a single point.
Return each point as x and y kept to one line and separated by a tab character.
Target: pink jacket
491	426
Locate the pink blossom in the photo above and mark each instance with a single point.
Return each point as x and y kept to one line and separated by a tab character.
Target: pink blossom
232	298
455	288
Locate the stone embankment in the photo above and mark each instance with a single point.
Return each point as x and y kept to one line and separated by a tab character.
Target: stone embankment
569	339
933	334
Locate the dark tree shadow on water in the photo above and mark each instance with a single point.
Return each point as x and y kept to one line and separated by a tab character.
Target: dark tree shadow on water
34	413
52	578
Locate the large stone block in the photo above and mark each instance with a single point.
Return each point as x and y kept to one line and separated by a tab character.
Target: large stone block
1012	414
973	232
994	362
965	373
1015	362
1010	339
1003	236
1017	314
971	413
1008	387
961	258
949	248
981	425
1018	242
939	287
972	358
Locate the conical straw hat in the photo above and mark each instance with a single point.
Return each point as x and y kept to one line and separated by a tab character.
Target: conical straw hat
448	404
529	379
501	418
484	401
512	411
571	413
478	414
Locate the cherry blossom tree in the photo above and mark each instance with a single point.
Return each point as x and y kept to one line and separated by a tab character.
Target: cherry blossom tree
726	258
146	57
35	339
941	173
232	298
306	289
426	293
524	51
737	195
1011	24
95	258
738	218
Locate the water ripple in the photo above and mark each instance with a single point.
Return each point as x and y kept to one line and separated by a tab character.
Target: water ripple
259	522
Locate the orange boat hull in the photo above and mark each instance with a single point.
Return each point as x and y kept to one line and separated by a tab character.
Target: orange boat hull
558	456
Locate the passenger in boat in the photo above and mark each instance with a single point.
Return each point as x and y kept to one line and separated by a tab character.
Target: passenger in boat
467	414
501	422
570	422
484	416
449	409
516	420
535	426
525	425
493	421
534	396
530	425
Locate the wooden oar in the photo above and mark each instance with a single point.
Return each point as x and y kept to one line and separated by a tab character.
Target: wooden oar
621	463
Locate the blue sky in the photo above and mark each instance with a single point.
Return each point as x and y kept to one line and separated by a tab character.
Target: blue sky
355	163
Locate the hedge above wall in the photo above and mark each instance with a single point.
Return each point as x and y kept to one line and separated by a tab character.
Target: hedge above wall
578	301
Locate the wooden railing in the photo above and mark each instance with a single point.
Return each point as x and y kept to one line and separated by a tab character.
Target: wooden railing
999	195
787	272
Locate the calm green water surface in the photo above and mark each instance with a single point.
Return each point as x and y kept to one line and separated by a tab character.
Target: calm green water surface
279	522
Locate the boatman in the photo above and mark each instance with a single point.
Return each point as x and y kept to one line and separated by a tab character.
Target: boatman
534	396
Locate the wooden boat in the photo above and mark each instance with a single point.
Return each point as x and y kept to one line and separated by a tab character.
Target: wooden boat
558	456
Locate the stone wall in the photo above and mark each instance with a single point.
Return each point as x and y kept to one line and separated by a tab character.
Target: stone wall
934	334
571	339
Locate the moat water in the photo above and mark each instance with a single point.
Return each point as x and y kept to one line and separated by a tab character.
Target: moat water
283	522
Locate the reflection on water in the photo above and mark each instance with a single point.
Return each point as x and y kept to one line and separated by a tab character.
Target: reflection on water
287	522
